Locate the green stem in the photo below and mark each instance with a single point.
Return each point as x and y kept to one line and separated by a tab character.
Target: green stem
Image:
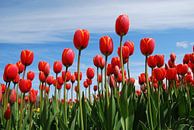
24	72
102	82
121	60
106	86
80	100
128	71
31	106
89	94
56	88
98	82
149	100
72	92
21	111
159	87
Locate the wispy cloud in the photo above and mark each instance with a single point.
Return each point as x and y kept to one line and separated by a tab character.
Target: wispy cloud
184	44
41	21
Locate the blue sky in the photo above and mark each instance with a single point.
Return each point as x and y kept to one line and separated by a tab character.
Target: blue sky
47	27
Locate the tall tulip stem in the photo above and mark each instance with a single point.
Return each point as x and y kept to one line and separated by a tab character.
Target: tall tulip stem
106	87
98	81
102	82
121	57
160	85
78	82
149	100
128	71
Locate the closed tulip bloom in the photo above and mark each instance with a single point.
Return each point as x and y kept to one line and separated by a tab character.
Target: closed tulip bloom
1	94
102	63
3	87
112	82
41	65
115	61
125	52
171	74
122	25
67	74
138	92
47	89
188	78
142	78
182	69
32	96
173	57
12	97
7	113
85	84
20	67
42	87
192	58
116	71
99	78
81	39
131	80
160	60
159	73
106	45
186	59
152	62
96	60
95	88
27	57
26	99
25	85
119	78
89	81
30	75
171	64
130	45
49	80
147	46
76	75
110	69
68	57
57	67
17	79
42	76
76	89
58	86
60	80
68	86
72	78
90	73
10	72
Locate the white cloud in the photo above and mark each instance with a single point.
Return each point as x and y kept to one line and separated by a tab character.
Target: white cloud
184	44
38	24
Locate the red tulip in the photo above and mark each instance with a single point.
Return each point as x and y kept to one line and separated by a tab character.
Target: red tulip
147	46
42	76
171	74
17	79
60	80
132	80
159	60
159	73
7	113
125	53
99	78
49	80
32	95
130	45
68	57
76	89
142	78
138	92
152	62
68	86
42	87
173	57
96	60
85	84
1	94
188	78
81	39
115	61
122	25
44	67
116	71
58	86
3	88
76	75
90	73
186	59
30	75
119	78
72	78
57	67
47	89
106	45
26	99
12	97
110	69
192	58
95	88
26	57
112	82
10	72
25	85
182	69
89	81
171	64
20	67
67	74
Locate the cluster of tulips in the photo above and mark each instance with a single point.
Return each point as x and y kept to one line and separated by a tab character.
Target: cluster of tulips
165	100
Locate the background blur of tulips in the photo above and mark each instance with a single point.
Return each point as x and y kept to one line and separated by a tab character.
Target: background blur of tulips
109	100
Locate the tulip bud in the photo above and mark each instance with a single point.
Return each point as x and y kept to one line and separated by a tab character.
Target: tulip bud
90	73
30	75
122	25
72	78
7	113
42	76
171	74
20	67
159	73
66	76
147	46
130	45
26	57
32	95
68	86
152	61
68	57
106	45
12	97
49	80
57	67
10	72
25	85
159	60
95	88
142	78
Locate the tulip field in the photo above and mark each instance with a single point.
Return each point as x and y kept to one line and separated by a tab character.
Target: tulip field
165	99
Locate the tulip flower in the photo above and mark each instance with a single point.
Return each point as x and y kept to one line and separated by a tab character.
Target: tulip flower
125	52
152	61
7	113
173	57
138	92
32	95
186	59
159	60
66	76
12	97
68	57
95	88
1	94
76	75
142	79
47	90
30	75
182	69
110	69
68	87
57	67
42	76
49	80
112	82
20	67
90	73
171	74
27	57
25	85
122	25
16	80
159	73
10	72
72	82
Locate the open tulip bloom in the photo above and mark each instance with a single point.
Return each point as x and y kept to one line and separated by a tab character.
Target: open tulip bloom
165	99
